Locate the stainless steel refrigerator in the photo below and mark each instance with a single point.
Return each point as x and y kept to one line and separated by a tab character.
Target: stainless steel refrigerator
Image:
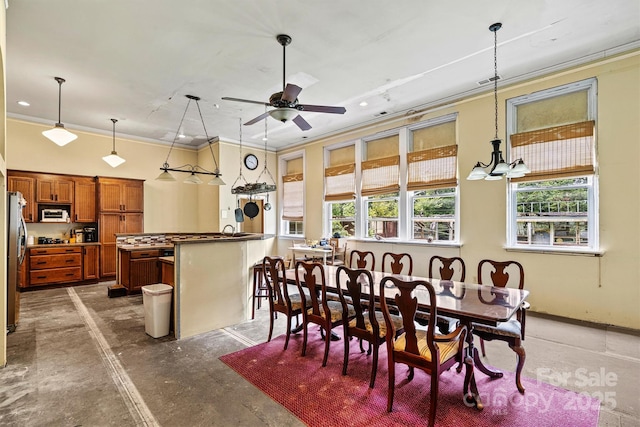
17	246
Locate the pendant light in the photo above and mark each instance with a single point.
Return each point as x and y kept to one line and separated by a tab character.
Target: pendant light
192	170
113	159
497	166
59	134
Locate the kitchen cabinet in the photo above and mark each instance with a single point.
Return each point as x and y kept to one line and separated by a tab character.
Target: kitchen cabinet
54	189
26	185
55	265
110	225
84	206
120	195
90	265
139	268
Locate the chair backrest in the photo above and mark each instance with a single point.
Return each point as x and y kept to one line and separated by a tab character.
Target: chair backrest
501	273
310	275
447	268
274	275
355	282
397	263
407	305
362	259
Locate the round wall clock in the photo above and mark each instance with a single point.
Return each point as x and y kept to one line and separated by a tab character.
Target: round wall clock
251	161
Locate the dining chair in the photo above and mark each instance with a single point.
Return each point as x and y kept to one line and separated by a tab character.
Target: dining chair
366	325
280	301
503	274
446	269
322	311
362	259
418	348
338	253
397	263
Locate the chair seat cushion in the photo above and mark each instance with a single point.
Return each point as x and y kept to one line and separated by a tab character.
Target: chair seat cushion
335	307
296	302
382	326
448	349
510	328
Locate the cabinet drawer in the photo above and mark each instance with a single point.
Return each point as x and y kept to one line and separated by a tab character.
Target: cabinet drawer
40	262
55	251
146	254
58	275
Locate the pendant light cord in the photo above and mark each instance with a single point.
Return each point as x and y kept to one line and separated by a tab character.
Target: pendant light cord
114	134
495	75
206	135
175	138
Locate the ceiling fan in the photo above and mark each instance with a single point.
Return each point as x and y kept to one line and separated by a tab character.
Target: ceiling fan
286	102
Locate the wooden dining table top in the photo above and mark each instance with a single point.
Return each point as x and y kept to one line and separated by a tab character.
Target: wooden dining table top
469	302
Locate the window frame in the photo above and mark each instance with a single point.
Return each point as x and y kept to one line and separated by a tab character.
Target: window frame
456	216
283	225
593	200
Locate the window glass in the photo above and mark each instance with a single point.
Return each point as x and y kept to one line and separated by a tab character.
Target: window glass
343	219
434	215
382	215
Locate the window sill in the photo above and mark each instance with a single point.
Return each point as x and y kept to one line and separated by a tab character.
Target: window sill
556	251
410	242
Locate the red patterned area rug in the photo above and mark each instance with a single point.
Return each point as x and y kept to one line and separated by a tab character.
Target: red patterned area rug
324	397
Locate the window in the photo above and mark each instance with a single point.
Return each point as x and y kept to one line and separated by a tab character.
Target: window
342	217
382	216
554	206
340	190
292	196
434	215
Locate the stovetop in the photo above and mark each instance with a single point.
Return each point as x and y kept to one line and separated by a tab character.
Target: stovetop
49	241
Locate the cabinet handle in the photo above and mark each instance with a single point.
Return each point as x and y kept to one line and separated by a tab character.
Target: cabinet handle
51	196
69	260
41	262
69	274
42	277
76	217
69	250
31	217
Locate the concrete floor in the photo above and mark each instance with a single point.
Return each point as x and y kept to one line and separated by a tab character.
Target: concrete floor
81	358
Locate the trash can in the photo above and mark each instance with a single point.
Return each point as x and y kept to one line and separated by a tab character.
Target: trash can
157	309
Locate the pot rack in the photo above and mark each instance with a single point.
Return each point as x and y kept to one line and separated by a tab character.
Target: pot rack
251	189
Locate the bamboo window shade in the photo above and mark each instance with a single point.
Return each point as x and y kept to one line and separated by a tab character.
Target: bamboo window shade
433	163
340	176
293	191
556	152
381	170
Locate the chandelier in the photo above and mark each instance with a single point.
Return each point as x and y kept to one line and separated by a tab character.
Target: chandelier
497	167
192	170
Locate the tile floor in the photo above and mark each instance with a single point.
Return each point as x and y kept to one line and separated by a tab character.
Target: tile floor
81	358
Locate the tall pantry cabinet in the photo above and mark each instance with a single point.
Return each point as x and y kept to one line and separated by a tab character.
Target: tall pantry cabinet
120	207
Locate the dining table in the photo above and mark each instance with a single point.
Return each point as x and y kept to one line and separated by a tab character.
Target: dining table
470	303
313	251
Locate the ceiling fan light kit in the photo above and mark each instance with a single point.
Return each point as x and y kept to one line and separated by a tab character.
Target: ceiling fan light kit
497	166
285	103
192	170
59	134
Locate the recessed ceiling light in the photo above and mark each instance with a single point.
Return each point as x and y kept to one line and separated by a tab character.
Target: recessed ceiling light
264	138
364	104
182	136
24	103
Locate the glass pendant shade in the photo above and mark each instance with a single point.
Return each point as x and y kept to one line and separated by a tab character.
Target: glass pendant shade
60	135
165	176
193	179
501	168
113	159
477	173
493	177
216	180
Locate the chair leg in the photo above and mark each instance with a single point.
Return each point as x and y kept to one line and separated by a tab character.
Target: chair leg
433	400
304	337
374	368
345	363
482	348
410	377
327	343
520	356
392	382
286	340
271	316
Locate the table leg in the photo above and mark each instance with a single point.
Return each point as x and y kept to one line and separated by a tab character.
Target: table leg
484	368
471	395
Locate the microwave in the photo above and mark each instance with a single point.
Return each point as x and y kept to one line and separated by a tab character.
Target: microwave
54	215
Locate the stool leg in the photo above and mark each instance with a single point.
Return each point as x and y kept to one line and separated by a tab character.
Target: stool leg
253	296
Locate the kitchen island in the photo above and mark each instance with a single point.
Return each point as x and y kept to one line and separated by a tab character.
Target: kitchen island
212	279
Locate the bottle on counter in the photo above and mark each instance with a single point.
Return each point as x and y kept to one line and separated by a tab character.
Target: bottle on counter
72	236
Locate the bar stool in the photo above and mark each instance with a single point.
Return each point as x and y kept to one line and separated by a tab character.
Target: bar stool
260	289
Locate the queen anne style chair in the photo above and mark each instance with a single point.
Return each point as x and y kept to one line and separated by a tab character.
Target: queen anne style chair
322	311
417	348
512	331
279	299
446	269
363	260
397	263
367	325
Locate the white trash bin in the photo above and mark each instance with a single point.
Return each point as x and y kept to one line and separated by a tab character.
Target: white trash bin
157	309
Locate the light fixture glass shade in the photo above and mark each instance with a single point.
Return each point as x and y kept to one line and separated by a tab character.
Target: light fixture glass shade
493	177
193	179
113	159
520	168
477	173
501	168
165	176
216	180
283	114
60	135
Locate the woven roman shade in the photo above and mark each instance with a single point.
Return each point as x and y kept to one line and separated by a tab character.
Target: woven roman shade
433	168
293	197
381	176
340	182
556	152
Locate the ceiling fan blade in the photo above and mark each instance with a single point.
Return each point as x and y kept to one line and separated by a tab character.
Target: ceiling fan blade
257	119
226	98
291	92
321	108
302	123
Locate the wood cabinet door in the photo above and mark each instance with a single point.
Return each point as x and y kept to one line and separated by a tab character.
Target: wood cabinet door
132	223
90	262
46	192
85	200
109	194
143	271
133	196
64	190
25	185
54	190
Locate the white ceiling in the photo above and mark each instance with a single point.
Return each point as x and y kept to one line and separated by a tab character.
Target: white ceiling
135	60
